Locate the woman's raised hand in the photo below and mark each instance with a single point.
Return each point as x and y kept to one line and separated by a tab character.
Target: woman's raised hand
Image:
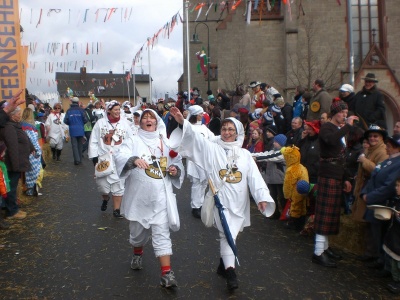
176	113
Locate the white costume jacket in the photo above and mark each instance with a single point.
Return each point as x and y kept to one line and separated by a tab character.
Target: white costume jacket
103	134
56	127
218	158
193	170
145	194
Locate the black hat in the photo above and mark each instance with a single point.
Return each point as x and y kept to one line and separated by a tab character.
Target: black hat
370	77
272	129
375	128
395	140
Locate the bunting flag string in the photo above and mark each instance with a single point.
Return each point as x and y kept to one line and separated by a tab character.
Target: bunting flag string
63	48
151	42
55	66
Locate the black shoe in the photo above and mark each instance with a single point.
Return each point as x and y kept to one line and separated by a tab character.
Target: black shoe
117	214
382	274
375	265
196	212
365	258
221	268
332	254
323	260
394	287
104	205
77	163
231	279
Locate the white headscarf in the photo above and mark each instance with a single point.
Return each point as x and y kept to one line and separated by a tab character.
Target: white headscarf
240	136
152	138
194	110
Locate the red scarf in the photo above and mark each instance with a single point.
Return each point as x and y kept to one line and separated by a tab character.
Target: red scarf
113	120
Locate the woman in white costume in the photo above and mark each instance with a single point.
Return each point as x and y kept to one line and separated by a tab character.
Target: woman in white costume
107	135
57	131
233	172
197	176
149	168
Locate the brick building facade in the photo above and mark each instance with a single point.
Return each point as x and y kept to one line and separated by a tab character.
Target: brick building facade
289	47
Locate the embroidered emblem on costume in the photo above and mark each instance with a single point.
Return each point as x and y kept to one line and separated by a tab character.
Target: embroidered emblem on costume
153	171
230	177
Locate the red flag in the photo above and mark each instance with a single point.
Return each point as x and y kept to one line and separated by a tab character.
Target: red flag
128	77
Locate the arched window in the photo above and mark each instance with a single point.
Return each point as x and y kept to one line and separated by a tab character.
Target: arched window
368	27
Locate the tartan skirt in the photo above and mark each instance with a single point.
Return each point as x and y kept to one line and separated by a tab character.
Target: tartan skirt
328	206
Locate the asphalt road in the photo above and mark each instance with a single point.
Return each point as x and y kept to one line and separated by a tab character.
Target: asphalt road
60	251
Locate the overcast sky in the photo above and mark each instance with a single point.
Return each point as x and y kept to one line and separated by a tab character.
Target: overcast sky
121	36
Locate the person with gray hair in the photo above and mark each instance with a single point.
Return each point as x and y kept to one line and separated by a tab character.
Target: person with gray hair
19	148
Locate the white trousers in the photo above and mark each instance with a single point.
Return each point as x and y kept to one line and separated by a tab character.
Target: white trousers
139	237
197	193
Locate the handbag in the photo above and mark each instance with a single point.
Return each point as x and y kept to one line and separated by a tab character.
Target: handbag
172	208
105	165
207	210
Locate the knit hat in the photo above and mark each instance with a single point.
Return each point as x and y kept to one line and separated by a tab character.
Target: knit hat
280	139
243	110
268	116
254	116
338	106
315	125
302	187
75	99
276	109
272	129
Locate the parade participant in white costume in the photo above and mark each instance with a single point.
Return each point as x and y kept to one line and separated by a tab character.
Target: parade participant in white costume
197	176
136	121
150	168
57	131
98	111
233	172
107	135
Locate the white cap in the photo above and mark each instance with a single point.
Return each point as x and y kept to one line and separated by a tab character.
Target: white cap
346	88
75	99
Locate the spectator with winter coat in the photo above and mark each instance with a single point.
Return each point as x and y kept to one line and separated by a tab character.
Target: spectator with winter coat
294	134
298	106
320	102
275	172
75	118
368	103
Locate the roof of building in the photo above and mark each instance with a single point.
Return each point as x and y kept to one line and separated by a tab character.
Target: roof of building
105	85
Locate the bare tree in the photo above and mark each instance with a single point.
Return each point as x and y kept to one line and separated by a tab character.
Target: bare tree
239	72
309	62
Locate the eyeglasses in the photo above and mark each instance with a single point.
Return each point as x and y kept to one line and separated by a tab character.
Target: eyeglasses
228	129
57	107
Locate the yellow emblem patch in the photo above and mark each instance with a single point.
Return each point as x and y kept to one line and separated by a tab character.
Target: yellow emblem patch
234	177
154	172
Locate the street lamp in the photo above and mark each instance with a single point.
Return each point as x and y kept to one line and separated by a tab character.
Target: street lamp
196	40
